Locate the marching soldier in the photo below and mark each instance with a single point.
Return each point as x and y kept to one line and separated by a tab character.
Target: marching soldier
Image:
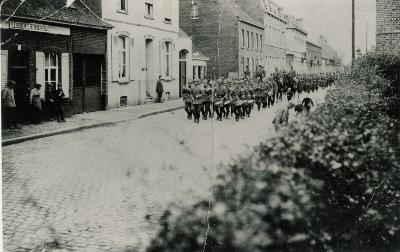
187	99
206	108
220	94
258	94
227	102
197	99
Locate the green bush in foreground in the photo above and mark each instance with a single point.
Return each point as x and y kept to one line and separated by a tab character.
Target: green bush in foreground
330	182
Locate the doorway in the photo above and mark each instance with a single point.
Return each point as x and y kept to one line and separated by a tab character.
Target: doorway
182	70
150	80
87	83
18	71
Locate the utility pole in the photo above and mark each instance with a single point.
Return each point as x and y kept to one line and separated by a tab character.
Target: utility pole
353	49
366	38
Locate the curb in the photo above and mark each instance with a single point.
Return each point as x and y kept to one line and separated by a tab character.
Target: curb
74	129
160	111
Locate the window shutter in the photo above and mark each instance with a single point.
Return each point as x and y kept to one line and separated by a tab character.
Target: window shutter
40	73
114	58
162	46
132	59
65	73
4	68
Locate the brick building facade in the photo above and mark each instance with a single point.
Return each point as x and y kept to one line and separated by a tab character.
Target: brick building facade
388	26
218	34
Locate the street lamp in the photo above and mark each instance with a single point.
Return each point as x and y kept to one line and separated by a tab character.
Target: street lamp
194	11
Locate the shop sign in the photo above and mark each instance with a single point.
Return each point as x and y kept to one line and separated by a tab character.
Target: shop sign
36	27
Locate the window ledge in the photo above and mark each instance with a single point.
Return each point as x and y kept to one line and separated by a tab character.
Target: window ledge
123	12
167	79
123	82
149	17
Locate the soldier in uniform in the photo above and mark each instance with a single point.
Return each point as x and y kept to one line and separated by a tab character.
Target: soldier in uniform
206	108
220	95
258	94
227	102
197	99
236	99
264	99
187	100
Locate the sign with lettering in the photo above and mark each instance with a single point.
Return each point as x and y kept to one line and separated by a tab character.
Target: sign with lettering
36	27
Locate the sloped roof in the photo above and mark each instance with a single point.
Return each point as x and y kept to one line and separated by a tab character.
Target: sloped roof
77	14
292	24
245	16
182	34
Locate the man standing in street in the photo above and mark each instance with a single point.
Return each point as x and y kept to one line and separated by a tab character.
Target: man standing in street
8	103
36	103
159	89
57	97
197	98
282	114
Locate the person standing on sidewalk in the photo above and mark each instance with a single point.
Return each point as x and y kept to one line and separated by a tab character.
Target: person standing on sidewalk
36	103
57	96
9	107
159	89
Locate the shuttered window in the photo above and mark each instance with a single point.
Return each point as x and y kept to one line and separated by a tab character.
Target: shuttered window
123	57
4	68
167	59
52	69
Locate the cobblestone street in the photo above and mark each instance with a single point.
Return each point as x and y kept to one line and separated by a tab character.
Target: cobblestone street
104	189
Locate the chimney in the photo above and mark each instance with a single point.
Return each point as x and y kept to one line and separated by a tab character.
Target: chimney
299	22
280	9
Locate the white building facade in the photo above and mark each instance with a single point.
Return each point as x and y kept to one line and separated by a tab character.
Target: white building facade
296	38
141	46
275	37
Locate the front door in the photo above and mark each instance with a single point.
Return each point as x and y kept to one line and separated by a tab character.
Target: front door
150	80
182	76
87	83
18	71
182	70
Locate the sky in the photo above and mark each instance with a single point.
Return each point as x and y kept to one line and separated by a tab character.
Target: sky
332	19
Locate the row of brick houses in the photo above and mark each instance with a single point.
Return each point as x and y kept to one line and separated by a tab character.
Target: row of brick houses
241	34
106	54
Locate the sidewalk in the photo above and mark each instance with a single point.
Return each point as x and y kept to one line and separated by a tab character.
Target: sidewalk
86	121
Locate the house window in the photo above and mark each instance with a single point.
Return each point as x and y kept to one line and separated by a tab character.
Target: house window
123	57
52	69
257	41
261	43
123	5
167	59
149	10
252	40
248	39
243	38
243	65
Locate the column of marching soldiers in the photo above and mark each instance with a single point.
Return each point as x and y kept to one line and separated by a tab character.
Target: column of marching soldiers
237	97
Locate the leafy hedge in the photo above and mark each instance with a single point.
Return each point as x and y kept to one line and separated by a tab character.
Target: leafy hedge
331	182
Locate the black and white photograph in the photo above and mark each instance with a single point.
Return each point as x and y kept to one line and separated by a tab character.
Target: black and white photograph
200	125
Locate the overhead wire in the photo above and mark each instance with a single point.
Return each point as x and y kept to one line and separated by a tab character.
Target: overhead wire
42	19
15	11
